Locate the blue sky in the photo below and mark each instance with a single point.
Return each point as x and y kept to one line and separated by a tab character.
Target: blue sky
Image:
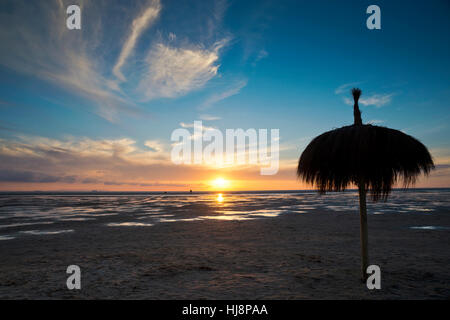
92	108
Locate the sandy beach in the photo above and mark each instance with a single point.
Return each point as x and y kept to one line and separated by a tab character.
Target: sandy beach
312	254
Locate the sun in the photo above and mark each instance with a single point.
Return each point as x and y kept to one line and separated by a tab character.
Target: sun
220	183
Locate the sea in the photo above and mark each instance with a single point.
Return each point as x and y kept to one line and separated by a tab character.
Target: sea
32	214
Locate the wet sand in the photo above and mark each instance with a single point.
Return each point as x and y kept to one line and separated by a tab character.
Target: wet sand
312	255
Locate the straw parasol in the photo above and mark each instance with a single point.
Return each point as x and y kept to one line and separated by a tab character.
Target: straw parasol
371	158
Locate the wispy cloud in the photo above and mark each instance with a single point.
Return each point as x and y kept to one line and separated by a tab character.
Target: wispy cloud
154	145
375	121
53	53
82	160
231	91
82	62
175	71
208	117
192	125
262	54
137	27
377	100
346	87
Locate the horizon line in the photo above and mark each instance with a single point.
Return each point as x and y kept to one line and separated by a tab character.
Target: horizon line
201	192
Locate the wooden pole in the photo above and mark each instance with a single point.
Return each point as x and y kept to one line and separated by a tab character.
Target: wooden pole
362	196
364	237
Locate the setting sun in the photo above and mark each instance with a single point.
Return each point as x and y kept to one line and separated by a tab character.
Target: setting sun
220	183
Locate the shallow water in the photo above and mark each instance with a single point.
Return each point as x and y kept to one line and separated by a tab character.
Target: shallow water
43	214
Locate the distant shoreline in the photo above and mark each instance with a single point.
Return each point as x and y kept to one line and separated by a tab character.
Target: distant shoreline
5	193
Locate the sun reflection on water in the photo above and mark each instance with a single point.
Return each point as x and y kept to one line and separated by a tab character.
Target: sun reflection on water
219	198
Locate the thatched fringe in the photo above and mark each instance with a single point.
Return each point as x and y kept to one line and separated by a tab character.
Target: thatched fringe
377	155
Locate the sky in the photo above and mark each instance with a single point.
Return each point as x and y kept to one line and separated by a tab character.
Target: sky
95	108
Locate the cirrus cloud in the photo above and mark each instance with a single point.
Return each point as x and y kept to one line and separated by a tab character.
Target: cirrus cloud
173	71
137	27
93	65
234	89
377	100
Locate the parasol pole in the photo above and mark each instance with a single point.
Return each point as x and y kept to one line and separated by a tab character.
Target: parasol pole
362	196
363	227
